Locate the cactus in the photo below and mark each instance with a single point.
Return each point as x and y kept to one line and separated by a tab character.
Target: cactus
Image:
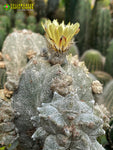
108	96
5	22
8	134
80	11
3	78
19	20
32	27
15	53
103	77
20	25
70	7
31	19
40	8
39	26
52	7
109	135
54	106
20	16
73	50
103	30
59	14
109	59
93	60
1	10
2	36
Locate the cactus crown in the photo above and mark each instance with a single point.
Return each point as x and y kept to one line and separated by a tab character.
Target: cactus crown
59	36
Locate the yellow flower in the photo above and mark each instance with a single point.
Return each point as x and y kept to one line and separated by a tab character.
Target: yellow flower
60	36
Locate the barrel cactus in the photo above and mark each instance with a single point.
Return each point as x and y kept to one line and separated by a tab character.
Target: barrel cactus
20	16
73	50
109	59
93	60
5	22
15	53
108	96
20	25
31	19
32	27
54	103
103	77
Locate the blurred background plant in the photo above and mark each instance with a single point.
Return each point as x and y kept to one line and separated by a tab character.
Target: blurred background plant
94	43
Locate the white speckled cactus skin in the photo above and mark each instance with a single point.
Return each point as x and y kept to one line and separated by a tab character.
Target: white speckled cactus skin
14	50
55	104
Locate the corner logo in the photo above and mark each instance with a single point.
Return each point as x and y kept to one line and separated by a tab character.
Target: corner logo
6	6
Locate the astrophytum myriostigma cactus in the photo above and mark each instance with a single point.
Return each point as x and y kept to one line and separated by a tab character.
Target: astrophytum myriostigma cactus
54	102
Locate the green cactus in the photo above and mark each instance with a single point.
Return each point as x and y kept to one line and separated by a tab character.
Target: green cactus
1	10
10	14
109	136
3	34
73	50
32	27
3	77
80	11
40	8
20	16
5	22
20	25
103	77
31	19
109	59
108	96
93	60
39	26
69	10
103	30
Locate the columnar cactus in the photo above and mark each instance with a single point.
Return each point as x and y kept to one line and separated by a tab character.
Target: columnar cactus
93	60
54	102
80	11
103	30
109	59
